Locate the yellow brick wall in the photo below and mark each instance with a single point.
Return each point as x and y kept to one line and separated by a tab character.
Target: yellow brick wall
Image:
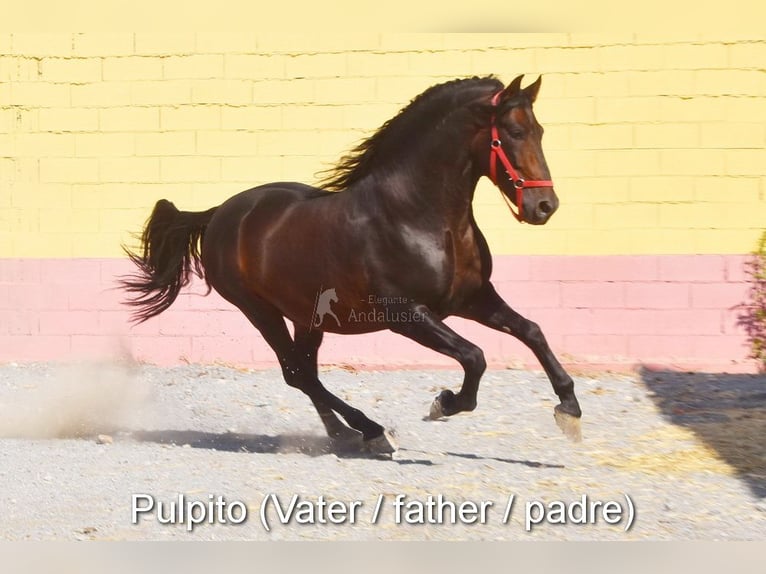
657	144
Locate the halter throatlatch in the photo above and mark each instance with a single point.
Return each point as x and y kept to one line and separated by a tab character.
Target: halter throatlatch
496	152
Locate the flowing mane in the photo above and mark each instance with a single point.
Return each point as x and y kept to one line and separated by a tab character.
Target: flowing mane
386	145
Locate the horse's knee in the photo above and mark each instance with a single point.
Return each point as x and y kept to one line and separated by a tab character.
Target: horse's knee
533	334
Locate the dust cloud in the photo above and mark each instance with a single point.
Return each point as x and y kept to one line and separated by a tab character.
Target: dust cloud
70	400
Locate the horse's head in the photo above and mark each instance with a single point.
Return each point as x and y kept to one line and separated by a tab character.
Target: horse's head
513	148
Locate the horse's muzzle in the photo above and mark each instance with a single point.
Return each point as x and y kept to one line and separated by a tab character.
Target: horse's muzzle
541	210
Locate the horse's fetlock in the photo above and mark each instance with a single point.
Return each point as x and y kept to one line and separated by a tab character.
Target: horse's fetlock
570	406
469	405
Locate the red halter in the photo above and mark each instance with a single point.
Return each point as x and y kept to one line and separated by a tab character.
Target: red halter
496	152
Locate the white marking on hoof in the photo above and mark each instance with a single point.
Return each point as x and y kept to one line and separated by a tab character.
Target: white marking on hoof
436	412
383	444
569	425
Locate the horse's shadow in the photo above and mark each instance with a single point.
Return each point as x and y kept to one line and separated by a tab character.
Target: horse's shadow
522	462
305	444
727	412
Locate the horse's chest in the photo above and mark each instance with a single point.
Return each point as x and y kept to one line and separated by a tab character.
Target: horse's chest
445	265
466	274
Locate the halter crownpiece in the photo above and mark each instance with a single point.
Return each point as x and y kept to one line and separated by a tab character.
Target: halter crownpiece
496	152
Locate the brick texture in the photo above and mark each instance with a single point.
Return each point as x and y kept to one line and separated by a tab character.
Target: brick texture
601	316
656	144
652	138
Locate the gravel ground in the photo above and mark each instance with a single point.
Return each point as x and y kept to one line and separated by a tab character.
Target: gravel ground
79	441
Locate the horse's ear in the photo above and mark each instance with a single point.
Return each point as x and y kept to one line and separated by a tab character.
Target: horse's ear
513	89
531	90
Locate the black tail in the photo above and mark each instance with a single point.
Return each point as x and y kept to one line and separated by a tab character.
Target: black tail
171	253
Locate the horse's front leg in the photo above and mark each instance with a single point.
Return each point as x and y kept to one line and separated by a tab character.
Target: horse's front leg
424	327
488	308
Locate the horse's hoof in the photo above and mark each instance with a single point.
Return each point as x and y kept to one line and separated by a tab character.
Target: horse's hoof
436	412
568	424
437	407
383	444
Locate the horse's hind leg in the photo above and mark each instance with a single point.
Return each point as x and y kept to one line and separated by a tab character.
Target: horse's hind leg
306	347
376	440
297	373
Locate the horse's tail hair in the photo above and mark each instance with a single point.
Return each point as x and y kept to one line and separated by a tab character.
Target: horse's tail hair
170	253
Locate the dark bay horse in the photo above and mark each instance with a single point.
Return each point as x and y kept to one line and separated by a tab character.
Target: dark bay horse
388	241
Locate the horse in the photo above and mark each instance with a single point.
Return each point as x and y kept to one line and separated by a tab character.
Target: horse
391	230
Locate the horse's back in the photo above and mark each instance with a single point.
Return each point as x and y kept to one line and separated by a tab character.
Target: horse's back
269	197
266	203
280	192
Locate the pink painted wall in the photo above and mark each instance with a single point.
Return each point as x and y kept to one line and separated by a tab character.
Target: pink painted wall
597	312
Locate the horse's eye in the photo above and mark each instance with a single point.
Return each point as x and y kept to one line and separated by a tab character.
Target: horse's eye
517	134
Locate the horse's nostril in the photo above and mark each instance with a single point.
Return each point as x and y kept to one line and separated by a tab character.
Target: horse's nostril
545	208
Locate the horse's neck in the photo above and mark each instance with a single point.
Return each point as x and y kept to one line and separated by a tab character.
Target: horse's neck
439	178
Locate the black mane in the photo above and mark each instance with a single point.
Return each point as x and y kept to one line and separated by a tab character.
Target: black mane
386	144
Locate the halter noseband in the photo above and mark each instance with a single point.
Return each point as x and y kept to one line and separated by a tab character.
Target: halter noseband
496	152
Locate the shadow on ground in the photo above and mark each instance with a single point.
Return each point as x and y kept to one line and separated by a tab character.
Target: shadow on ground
727	412
310	445
527	463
